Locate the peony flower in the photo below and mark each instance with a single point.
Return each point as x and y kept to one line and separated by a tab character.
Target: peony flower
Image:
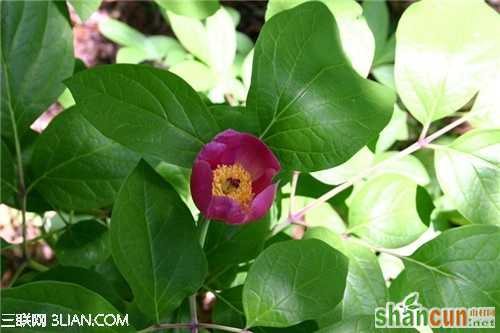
232	178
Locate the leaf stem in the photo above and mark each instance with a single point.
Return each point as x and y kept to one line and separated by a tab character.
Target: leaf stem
295	178
421	143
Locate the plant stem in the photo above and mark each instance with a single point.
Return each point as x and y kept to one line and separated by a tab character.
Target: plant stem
160	327
295	178
193	309
37	266
18	273
421	143
203	226
224	328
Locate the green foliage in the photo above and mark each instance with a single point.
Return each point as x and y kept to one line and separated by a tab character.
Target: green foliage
167	117
291	50
150	246
290	273
469	173
84	244
412	200
438	73
384	211
193	8
85	8
37	54
51	297
75	167
450	263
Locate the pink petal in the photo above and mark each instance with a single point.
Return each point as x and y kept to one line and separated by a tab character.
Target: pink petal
225	209
201	185
262	202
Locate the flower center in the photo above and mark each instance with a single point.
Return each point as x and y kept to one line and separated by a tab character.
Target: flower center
233	181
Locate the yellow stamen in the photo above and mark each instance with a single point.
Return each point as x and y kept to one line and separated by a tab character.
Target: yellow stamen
233	181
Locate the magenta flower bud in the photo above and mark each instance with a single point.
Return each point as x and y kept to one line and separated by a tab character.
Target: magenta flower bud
232	178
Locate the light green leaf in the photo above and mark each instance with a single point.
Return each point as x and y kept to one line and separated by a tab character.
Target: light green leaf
121	33
292	273
37	55
356	38
307	97
362	160
197	74
385	75
396	129
166	116
384	212
75	167
244	44
192	8
487	104
85	8
246	74
459	268
131	55
66	99
191	34
438	73
408	166
468	171
58	298
84	244
154	243
221	41
158	47
365	289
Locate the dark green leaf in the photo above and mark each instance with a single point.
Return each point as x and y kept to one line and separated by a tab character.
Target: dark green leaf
307	97
228	311
235	118
84	244
85	278
8	177
459	268
290	273
59	298
37	54
148	110
365	289
234	244
76	167
377	17
109	271
425	205
154	243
